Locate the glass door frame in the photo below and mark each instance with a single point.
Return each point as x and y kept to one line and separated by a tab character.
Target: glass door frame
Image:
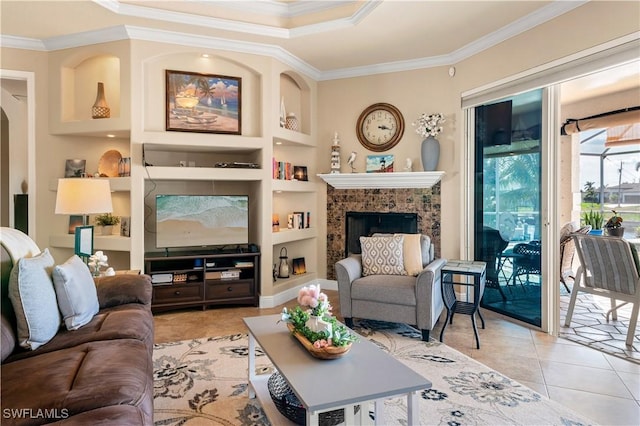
550	166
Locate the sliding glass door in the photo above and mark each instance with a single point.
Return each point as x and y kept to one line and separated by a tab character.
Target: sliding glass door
507	204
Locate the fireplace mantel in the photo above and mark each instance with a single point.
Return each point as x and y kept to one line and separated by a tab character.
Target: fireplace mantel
382	180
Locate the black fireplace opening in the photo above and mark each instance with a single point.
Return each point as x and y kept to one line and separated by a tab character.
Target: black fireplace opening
365	224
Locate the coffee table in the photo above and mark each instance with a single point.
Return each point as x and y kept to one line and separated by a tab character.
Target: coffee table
366	373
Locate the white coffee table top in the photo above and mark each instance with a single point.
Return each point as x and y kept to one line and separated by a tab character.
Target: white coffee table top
366	373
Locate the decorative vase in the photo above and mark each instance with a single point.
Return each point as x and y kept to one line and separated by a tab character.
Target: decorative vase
100	108
283	270
430	154
318	324
107	229
616	232
292	122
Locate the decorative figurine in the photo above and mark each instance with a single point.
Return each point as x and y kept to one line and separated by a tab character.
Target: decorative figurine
408	165
351	160
335	154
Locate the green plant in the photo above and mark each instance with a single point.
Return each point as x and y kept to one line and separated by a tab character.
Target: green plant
614	221
107	219
595	219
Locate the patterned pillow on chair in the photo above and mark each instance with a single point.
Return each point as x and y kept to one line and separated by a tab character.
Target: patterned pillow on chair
382	255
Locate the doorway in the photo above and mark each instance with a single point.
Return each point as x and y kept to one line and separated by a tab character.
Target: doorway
507	204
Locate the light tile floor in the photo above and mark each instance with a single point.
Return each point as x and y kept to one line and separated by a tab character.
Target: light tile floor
601	387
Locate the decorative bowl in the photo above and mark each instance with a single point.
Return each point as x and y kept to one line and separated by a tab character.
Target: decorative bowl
328	352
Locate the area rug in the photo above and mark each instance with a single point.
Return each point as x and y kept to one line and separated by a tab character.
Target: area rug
204	382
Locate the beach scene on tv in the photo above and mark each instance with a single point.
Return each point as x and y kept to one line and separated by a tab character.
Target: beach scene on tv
201	220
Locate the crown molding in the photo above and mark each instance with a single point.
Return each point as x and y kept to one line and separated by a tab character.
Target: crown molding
275	8
123	32
22	43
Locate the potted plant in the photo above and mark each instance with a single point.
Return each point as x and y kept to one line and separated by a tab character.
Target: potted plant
107	221
614	225
595	220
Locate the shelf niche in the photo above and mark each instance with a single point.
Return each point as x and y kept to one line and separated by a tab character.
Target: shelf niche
297	99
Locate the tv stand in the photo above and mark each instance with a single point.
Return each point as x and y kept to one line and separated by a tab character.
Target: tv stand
202	279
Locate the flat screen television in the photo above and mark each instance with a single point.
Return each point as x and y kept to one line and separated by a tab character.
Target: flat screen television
201	220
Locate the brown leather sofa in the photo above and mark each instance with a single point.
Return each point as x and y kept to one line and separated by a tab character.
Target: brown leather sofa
99	374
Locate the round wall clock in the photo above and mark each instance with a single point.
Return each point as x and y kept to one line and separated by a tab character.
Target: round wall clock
380	127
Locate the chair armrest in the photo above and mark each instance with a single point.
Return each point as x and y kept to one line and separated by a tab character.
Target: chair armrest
122	289
429	302
347	270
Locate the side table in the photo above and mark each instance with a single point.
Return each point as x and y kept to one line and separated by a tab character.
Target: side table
474	269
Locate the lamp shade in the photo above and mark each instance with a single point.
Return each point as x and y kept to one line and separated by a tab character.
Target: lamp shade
80	196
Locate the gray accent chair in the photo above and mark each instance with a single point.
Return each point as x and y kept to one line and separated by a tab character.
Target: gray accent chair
609	267
413	300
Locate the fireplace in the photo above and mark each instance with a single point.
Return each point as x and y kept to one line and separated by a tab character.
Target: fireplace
424	202
365	224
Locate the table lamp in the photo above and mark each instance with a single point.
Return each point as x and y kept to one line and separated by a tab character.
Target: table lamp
83	196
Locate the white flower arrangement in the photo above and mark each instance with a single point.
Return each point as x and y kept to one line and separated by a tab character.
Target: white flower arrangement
429	125
96	261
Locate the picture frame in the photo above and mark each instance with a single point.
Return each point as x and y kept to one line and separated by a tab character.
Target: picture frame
379	163
84	241
75	168
125	226
74	222
204	103
299	267
300	173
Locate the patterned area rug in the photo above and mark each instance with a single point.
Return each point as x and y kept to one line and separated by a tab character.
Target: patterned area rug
204	382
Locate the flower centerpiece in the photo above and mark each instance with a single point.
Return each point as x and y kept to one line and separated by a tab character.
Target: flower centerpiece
429	125
314	326
614	225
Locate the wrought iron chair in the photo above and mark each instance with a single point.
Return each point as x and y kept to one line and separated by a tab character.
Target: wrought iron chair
608	268
492	246
527	260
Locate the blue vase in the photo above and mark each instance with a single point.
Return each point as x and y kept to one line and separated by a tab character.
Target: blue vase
430	154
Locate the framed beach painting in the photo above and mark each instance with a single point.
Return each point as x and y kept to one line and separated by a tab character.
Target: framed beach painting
205	103
380	163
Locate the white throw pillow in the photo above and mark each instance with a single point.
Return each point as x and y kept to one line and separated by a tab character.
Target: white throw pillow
76	291
412	253
382	255
34	300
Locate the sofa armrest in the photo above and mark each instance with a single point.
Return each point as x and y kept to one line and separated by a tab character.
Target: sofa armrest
429	294
122	289
347	270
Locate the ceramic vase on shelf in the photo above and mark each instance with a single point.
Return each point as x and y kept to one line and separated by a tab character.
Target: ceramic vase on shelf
100	108
292	122
430	154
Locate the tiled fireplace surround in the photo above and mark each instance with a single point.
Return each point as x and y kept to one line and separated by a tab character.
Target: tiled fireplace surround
423	201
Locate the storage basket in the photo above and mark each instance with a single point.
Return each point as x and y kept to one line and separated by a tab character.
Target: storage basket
289	405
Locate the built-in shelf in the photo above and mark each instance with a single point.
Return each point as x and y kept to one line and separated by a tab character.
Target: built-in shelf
292	186
203	173
288	235
382	180
100	242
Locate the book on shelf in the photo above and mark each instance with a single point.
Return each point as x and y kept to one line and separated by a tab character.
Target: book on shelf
243	264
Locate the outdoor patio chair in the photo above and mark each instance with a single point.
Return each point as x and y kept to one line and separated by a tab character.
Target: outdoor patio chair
568	250
493	244
527	260
608	268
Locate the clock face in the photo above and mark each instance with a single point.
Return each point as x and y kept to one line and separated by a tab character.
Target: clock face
380	127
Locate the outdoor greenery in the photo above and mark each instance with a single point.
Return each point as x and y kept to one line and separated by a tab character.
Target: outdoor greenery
595	219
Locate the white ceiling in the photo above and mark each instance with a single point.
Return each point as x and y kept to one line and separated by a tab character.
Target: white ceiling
330	39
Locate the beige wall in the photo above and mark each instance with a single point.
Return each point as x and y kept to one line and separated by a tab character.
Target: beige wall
432	90
341	101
